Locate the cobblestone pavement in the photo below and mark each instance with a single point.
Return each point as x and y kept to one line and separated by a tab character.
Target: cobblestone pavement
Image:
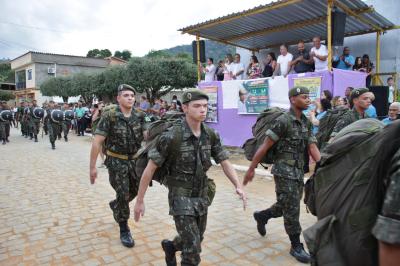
51	215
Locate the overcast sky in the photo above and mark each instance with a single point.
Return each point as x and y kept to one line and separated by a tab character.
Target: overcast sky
74	27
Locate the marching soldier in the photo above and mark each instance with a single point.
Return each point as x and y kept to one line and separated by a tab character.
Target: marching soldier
66	123
121	130
53	120
292	133
188	182
34	121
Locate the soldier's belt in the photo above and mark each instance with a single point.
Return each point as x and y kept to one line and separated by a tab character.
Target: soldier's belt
121	156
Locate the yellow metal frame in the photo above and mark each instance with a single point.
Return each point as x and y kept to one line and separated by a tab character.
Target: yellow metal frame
329	31
198	57
294	25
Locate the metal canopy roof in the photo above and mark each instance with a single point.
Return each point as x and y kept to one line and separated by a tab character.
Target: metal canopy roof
287	21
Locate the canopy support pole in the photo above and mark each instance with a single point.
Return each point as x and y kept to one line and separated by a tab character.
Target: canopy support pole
198	57
329	31
377	80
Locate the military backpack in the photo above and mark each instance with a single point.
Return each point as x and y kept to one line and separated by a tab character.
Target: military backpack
346	193
327	124
264	122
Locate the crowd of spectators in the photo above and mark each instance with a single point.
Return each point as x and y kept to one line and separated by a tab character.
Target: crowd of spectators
300	61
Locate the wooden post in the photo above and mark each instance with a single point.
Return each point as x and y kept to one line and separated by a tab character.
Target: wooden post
329	31
198	57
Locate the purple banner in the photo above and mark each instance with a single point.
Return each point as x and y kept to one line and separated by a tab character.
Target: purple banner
346	78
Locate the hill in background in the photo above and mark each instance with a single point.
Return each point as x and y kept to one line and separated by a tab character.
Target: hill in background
213	49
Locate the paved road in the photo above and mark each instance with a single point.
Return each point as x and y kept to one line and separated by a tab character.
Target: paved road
51	215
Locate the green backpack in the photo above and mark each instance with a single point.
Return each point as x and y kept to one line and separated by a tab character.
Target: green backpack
346	193
170	121
327	124
264	122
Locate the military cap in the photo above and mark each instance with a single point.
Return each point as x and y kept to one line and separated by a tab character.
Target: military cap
193	95
357	92
298	90
124	87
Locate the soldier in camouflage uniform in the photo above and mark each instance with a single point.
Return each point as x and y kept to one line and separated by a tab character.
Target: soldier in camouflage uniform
187	182
387	227
24	121
28	121
34	123
3	135
66	124
54	127
20	115
121	129
292	134
361	101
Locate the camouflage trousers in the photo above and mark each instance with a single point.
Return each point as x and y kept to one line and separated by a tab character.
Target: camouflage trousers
34	125
24	130
288	196
190	235
54	130
123	180
3	130
66	125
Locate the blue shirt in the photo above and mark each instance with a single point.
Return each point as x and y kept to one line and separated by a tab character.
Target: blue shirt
318	117
371	111
387	121
341	65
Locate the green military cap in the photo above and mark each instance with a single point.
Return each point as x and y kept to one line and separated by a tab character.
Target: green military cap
357	92
298	90
124	87
193	95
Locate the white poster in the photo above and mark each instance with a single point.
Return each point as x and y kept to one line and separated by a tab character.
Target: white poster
278	92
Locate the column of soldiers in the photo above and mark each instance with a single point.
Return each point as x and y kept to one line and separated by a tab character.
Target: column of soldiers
53	119
120	134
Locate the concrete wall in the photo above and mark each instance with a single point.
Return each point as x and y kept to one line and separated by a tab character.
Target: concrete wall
41	71
69	60
30	83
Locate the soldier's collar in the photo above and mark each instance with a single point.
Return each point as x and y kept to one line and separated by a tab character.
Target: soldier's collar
293	115
187	133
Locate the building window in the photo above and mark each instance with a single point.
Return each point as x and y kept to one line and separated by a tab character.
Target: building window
29	74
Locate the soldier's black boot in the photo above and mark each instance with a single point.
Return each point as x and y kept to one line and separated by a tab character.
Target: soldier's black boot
53	145
297	249
4	142
169	249
30	136
66	138
36	140
7	140
262	218
125	235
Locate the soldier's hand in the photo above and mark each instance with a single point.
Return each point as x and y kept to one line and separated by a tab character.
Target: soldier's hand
248	176
242	196
138	210
93	175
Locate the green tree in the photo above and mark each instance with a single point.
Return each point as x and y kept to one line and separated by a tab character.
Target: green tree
6	74
96	53
125	54
158	76
6	95
59	86
158	54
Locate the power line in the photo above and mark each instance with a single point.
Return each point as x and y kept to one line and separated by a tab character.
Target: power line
7	42
33	27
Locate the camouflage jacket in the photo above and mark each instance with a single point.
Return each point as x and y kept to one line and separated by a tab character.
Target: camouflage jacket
387	227
187	182
123	135
347	118
292	137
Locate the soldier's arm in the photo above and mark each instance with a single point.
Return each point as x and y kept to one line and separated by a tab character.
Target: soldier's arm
314	152
230	172
144	183
94	153
389	255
